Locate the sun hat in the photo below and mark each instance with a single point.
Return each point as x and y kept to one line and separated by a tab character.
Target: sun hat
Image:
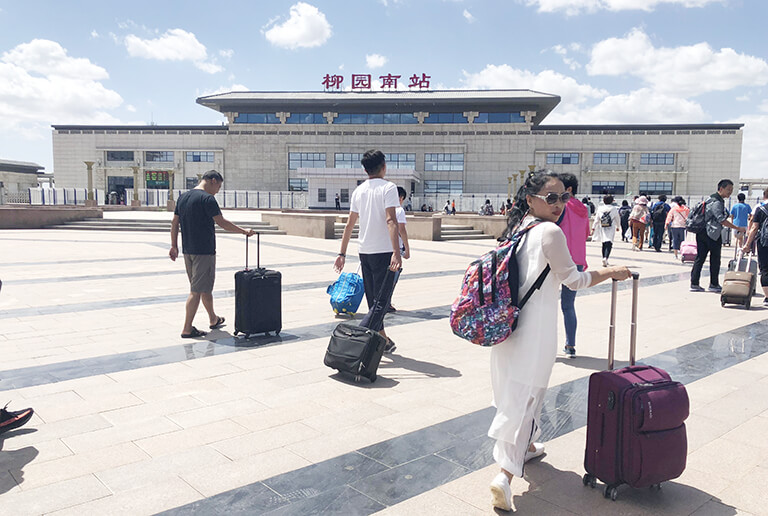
642	200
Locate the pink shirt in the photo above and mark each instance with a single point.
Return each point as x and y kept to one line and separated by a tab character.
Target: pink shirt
575	226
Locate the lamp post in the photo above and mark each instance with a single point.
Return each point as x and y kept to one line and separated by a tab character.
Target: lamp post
135	201
171	204
509	186
90	201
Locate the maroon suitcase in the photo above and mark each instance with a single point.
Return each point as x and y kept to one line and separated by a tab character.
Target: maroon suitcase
635	420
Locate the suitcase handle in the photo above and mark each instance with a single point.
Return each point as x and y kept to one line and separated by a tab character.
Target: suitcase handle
739	256
633	322
258	251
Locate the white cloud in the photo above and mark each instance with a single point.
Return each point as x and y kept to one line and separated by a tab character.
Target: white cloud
174	45
40	85
573	7
742	98
685	70
547	81
94	34
130	108
754	150
763	106
223	89
227	53
374	61
563	52
468	16
306	27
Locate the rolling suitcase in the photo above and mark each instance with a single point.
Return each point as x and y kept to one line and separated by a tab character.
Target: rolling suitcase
739	286
747	264
358	349
635	420
688	251
257	298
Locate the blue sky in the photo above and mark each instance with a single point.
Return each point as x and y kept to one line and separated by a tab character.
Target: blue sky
611	61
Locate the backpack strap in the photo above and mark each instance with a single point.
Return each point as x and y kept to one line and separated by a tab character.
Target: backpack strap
536	286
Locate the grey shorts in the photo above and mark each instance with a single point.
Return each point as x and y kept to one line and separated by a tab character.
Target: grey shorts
201	270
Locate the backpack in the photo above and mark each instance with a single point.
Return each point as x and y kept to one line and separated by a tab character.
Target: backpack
696	223
487	308
762	235
606	220
659	213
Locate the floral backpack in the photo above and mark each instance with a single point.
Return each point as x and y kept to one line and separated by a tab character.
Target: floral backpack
486	311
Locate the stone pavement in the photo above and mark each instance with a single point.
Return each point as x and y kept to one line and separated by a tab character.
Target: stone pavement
131	419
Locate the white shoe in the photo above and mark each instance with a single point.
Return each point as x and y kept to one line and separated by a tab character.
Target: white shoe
605	262
538	452
501	492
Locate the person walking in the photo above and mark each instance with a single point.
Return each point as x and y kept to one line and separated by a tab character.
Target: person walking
741	213
521	365
675	223
604	227
637	220
405	247
659	212
453	207
195	213
756	231
338	202
624	212
574	223
710	241
374	203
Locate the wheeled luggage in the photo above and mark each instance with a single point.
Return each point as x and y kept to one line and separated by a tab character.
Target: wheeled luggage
726	235
635	420
257	298
688	251
358	349
346	293
739	286
745	263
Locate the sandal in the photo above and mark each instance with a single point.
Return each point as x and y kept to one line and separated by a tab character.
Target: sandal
219	324
195	333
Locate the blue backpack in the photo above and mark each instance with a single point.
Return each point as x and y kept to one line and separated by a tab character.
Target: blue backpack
346	293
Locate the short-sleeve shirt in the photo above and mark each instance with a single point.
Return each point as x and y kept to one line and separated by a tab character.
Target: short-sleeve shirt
740	212
759	219
196	209
400	215
370	200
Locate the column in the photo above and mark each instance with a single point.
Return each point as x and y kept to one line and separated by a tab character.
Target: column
135	201
171	204
90	201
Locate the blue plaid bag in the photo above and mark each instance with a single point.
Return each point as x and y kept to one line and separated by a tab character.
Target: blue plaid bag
346	293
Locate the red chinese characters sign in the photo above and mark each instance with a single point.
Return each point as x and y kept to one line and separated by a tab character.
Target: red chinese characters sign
364	82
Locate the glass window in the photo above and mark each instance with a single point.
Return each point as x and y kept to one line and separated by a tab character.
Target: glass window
159	156
257	118
562	158
408	118
500	118
306	118
321	195
654	158
344	195
402	160
608	187
454	162
609	158
655	187
120	155
445	118
375	118
358	118
443	187
306	160
347	160
200	156
297	185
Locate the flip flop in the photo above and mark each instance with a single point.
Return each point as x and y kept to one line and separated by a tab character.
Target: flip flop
219	324
195	333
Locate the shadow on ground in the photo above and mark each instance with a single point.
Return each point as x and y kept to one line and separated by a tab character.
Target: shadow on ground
12	462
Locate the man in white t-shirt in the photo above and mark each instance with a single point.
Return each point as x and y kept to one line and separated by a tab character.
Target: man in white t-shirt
373	203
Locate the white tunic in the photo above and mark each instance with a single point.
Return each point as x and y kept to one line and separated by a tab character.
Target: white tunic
522	364
606	234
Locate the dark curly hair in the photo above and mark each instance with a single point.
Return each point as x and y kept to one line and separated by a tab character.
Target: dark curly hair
532	185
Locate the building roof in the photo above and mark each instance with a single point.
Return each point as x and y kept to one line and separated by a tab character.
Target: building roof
383	101
22	167
639	127
140	127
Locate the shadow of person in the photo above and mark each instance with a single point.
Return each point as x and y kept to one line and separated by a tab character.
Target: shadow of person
13	462
426	369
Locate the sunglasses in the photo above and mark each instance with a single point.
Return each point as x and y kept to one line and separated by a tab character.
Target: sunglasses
552	197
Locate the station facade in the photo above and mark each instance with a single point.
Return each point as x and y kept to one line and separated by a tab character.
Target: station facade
439	142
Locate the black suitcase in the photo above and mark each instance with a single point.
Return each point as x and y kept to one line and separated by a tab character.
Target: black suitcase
358	349
257	298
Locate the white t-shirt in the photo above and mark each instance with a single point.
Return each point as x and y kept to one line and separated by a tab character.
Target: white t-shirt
370	200
400	214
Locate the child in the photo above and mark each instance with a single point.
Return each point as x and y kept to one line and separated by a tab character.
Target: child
405	250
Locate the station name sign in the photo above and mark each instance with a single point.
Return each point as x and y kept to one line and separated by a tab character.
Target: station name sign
364	81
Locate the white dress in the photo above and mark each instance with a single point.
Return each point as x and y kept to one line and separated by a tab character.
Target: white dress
522	364
606	234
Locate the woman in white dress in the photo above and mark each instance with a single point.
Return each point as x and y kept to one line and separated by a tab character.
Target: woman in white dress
522	364
605	234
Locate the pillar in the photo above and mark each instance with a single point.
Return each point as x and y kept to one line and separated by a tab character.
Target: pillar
171	205
90	201
135	201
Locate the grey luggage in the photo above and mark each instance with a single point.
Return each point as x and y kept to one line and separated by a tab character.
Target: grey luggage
744	264
726	235
739	286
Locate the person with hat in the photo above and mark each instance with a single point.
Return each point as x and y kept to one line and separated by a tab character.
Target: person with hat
637	221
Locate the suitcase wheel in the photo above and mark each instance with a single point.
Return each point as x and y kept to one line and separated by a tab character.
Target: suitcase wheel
589	480
610	492
748	303
655	487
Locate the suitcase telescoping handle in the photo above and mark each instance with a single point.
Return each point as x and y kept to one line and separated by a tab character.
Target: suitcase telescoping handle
258	251
738	257
633	323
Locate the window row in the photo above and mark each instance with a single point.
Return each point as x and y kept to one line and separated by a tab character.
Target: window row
432	161
306	160
655	187
653	158
161	156
562	158
611	158
322	195
443	187
618	187
380	118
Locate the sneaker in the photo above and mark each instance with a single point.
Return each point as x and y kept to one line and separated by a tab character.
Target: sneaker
391	309
765	301
537	452
10	420
697	288
570	351
605	262
501	492
715	288
390	347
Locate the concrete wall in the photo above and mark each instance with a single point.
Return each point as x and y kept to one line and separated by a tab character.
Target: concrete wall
490	225
423	228
34	217
302	224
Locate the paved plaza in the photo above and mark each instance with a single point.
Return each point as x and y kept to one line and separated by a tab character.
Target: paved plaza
132	419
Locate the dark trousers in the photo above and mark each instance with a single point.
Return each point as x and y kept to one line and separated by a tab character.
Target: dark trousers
704	246
762	262
374	268
607	246
624	228
658	236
